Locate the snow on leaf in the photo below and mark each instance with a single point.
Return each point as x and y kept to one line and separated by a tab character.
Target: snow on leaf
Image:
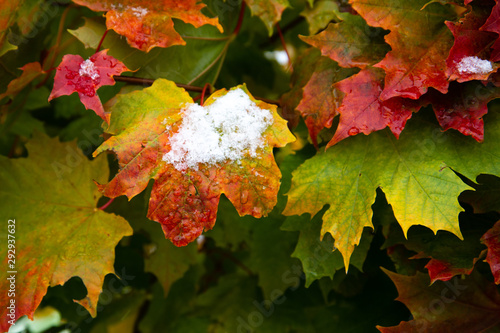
362	110
269	11
59	231
411	171
463	107
86	76
214	134
187	188
352	43
468	58
149	24
30	72
463	305
492	240
474	65
420	43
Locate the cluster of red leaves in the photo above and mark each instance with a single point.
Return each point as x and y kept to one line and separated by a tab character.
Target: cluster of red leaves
428	44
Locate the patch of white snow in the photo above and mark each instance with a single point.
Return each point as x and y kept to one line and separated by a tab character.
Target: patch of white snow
87	68
138	12
227	129
474	65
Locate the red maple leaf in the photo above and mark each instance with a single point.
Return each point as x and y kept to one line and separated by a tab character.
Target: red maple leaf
362	110
442	270
492	24
463	107
470	54
492	240
75	74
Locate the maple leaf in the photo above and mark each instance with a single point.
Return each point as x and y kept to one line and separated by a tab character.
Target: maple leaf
319	14
409	170
269	11
470	54
352	43
186	192
149	24
420	42
30	72
363	111
486	197
7	19
316	254
492	240
449	255
461	305
319	102
86	76
492	25
59	232
463	107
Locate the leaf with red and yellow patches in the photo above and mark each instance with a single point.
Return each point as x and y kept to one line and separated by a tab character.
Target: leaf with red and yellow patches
55	230
463	107
156	137
319	102
30	72
492	24
269	11
363	111
86	76
351	43
492	240
148	24
420	44
470	54
464	305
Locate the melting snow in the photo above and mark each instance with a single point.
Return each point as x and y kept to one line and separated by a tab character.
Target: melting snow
138	12
474	65
227	129
87	68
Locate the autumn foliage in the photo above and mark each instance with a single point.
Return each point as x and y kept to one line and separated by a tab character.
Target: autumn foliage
241	166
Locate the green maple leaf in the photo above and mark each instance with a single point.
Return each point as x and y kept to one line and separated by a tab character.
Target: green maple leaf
269	11
414	172
184	199
59	232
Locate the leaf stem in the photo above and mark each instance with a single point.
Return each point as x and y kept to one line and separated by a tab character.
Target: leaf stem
283	43
55	48
101	41
205	88
240	19
106	205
